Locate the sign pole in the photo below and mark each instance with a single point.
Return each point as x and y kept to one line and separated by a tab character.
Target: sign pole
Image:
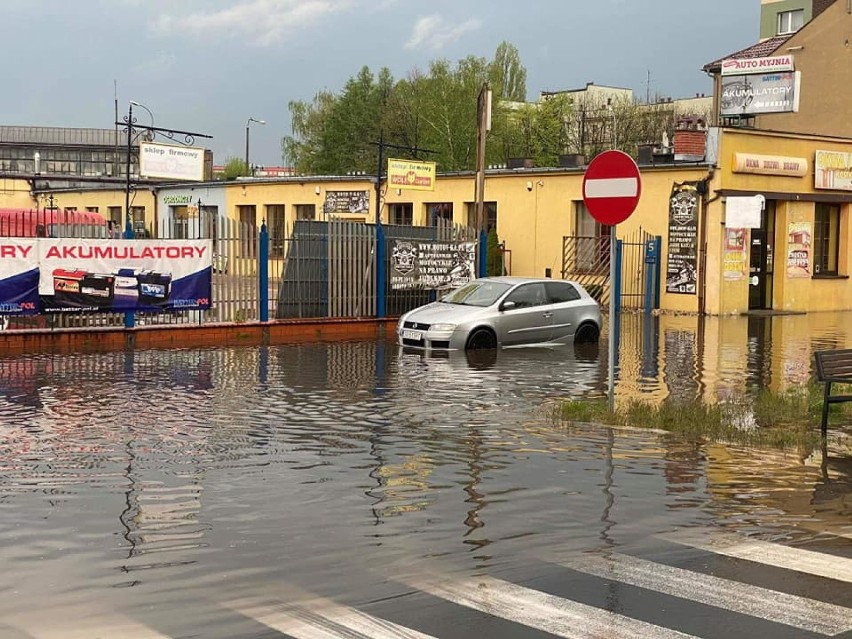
612	322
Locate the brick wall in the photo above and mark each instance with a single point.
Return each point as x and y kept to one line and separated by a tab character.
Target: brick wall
690	143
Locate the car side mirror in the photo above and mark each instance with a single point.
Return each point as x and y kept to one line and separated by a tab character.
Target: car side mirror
507	306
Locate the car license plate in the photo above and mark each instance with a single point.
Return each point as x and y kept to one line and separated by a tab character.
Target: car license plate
415	335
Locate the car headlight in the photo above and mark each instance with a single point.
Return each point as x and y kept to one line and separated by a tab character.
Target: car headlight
443	328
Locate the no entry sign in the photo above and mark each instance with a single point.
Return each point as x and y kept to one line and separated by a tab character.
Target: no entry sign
611	187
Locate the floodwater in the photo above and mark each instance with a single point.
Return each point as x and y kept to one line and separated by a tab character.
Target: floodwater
155	492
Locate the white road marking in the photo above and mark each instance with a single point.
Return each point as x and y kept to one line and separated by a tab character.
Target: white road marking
799	612
764	552
612	187
321	619
536	609
108	626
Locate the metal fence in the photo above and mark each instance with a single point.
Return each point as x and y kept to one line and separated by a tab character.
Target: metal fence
316	270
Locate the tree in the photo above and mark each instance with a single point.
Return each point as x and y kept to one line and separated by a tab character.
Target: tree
507	75
236	167
493	254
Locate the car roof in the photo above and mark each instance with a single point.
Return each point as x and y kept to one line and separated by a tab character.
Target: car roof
513	280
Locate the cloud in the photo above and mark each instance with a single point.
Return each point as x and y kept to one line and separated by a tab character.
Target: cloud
157	64
264	22
435	33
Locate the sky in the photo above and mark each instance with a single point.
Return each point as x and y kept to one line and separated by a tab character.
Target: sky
210	65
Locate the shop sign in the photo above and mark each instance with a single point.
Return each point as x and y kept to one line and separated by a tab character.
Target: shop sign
833	170
746	66
744	212
681	266
171	162
346	202
431	265
177	199
770	164
755	94
411	176
735	254
799	249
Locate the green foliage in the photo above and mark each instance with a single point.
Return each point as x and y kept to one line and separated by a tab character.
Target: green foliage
493	255
788	419
507	75
235	167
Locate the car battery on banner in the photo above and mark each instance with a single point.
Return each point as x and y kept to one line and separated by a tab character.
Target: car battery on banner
127	285
154	288
79	288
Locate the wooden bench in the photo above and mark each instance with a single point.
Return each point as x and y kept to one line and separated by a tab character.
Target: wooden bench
833	367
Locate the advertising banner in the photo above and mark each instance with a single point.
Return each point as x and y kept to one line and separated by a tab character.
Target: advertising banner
18	276
346	202
735	254
411	176
799	249
681	266
76	275
745	66
833	170
755	94
431	265
171	162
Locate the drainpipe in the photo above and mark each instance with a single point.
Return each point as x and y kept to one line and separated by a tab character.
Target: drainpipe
702	260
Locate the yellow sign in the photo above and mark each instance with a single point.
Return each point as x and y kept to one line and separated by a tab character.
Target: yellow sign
411	176
833	170
770	164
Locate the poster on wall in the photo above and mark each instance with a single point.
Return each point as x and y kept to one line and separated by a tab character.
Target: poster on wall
350	202
18	276
734	263
799	249
682	261
431	265
833	170
79	275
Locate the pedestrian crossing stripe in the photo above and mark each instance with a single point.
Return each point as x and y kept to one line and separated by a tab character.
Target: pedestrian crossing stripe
791	610
542	611
764	552
319	618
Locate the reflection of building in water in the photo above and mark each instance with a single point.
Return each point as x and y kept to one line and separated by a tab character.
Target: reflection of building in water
805	490
684	469
404	486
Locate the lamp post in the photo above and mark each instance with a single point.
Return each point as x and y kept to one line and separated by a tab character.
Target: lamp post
128	221
248	122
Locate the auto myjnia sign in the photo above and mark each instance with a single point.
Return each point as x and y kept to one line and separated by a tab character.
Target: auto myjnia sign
171	161
411	175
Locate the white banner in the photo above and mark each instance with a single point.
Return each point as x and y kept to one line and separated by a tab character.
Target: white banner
171	161
744	66
744	212
754	94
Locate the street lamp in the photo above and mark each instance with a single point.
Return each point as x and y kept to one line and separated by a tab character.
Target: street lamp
248	122
128	222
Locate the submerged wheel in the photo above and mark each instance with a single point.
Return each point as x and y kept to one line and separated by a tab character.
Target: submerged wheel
587	334
481	339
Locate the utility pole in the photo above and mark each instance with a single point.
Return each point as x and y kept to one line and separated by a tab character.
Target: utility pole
483	125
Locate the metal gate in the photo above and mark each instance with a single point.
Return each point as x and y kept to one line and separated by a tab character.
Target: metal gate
586	259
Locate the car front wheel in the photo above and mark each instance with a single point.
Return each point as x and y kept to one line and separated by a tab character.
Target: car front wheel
481	339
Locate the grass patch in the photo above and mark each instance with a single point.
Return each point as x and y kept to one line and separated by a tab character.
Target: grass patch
787	419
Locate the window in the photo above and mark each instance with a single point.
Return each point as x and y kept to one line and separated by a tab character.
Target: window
306	211
92	209
402	214
591	251
528	295
440	214
559	292
275	226
248	229
826	239
490	215
790	21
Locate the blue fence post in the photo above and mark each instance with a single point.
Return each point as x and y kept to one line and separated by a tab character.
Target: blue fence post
659	270
619	254
650	261
263	273
129	316
483	253
381	273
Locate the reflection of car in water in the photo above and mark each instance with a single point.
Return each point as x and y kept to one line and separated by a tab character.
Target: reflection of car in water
503	311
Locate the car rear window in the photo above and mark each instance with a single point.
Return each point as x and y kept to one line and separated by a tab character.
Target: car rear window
559	292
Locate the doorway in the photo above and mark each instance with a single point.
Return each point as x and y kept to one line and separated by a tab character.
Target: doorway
761	259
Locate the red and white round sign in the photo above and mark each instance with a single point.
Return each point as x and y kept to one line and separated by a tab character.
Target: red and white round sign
611	187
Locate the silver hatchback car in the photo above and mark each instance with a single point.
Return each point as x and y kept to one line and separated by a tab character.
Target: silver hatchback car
504	311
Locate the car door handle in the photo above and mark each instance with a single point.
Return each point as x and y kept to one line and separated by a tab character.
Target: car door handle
547	315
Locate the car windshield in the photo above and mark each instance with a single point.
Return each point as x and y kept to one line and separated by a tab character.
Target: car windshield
478	293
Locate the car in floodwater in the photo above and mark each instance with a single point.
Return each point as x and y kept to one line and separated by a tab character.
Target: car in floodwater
494	312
